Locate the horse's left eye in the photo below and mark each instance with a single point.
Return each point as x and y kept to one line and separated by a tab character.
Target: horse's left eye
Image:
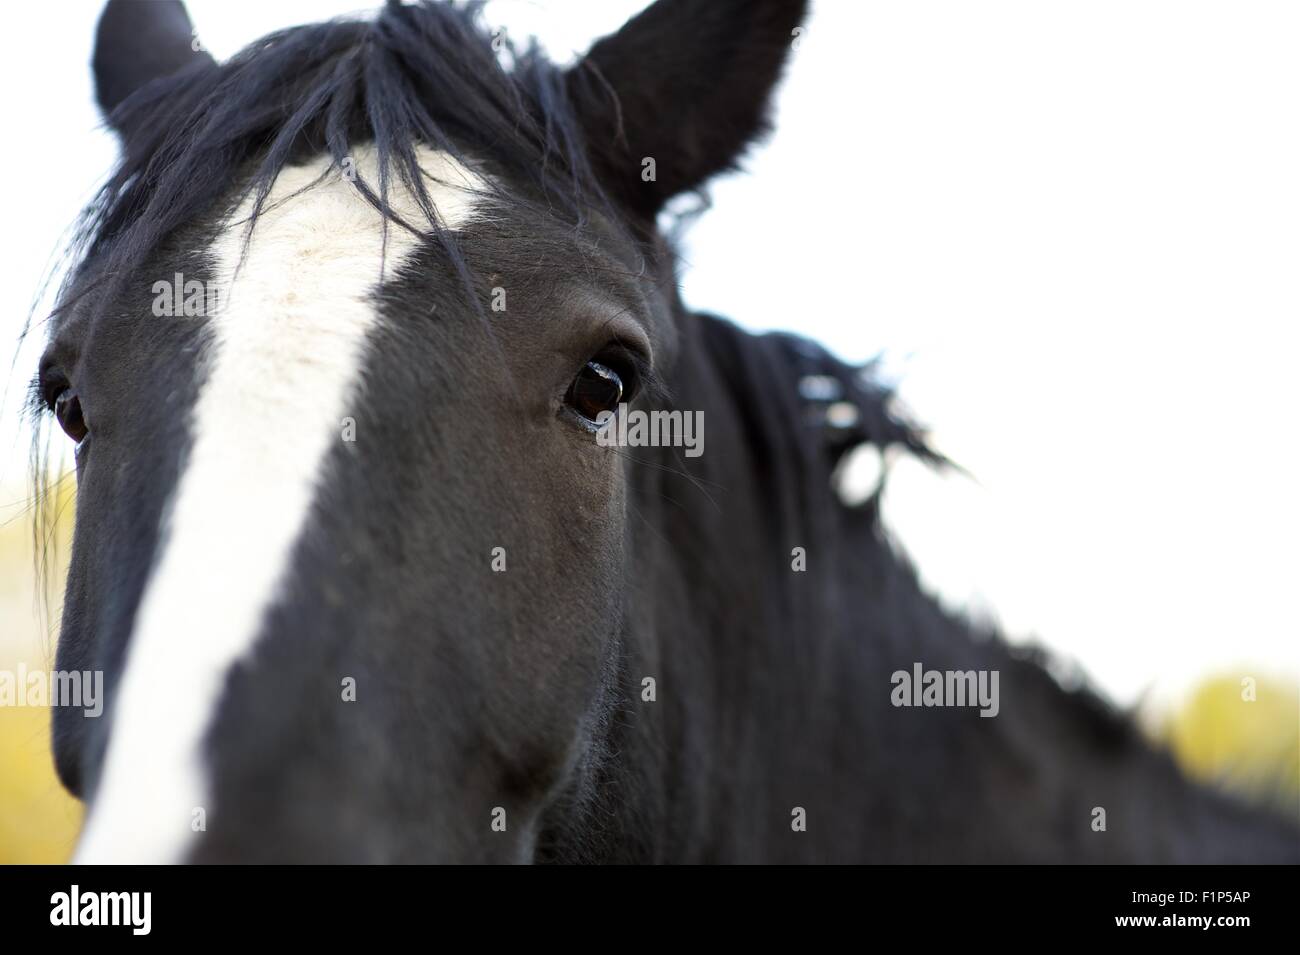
596	389
67	408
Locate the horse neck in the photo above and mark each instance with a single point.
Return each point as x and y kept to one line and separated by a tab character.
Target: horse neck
782	676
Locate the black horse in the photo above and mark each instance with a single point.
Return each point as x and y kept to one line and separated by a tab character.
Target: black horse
379	556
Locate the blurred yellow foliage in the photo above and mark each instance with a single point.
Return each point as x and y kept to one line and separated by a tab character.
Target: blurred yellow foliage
39	821
1243	733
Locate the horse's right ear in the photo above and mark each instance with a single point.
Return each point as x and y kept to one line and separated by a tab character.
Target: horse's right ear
676	95
139	41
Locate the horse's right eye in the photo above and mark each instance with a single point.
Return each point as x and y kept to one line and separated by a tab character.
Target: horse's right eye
67	408
596	389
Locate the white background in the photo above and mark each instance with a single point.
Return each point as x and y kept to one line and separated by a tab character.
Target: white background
1072	228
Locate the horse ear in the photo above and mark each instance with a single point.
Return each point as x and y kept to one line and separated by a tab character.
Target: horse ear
677	94
139	41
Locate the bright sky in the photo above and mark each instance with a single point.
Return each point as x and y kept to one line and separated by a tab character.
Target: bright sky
1071	228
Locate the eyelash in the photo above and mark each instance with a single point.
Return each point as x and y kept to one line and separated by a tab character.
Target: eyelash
50	385
45	389
618	355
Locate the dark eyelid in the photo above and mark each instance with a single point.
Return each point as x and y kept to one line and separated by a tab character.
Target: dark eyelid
616	317
626	335
59	355
649	385
49	381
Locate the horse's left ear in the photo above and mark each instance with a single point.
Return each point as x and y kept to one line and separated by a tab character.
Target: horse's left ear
137	42
677	94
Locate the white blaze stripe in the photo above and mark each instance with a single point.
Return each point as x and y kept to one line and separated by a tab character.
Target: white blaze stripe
288	342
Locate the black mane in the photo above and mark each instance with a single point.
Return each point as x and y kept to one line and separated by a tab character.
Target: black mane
422	74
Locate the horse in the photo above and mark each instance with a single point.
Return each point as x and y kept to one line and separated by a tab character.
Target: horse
340	350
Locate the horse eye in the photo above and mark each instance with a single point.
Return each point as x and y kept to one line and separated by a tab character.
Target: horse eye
67	408
596	389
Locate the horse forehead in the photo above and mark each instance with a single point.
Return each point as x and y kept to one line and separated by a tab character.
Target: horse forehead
316	215
282	366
